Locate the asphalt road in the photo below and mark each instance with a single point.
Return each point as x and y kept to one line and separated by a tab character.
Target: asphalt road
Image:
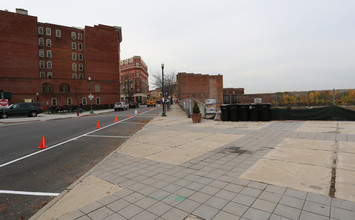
74	147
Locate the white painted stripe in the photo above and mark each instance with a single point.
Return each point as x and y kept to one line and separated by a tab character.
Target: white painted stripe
28	193
108	136
64	142
137	123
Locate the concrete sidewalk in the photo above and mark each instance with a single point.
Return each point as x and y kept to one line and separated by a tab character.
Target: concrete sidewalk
174	169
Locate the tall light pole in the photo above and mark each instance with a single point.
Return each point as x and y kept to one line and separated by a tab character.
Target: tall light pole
90	96
162	73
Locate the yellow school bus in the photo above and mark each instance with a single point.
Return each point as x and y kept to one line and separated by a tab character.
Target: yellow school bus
151	101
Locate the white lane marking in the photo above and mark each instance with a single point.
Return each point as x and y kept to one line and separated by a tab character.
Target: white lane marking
28	193
108	136
64	142
137	123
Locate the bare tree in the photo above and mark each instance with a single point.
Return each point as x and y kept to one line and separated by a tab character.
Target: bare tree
169	82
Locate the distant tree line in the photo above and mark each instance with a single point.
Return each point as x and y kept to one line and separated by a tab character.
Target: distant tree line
315	98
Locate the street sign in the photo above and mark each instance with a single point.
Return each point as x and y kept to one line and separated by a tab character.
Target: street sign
4	102
91	96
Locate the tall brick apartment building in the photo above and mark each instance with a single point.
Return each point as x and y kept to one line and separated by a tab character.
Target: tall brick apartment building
134	80
200	86
52	64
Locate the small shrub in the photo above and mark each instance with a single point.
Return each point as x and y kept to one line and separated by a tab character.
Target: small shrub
195	109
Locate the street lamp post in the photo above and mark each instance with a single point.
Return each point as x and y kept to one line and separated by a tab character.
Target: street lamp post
90	96
37	94
162	73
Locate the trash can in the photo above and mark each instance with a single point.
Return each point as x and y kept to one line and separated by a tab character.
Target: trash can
265	112
243	112
225	112
253	112
233	112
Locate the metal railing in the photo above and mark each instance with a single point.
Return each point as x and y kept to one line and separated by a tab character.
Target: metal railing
187	104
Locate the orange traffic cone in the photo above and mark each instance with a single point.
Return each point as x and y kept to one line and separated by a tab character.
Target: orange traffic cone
98	125
129	115
116	119
150	108
43	143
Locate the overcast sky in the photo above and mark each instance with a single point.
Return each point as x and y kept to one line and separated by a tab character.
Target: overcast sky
260	45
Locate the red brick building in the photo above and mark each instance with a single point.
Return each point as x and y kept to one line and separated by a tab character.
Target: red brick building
51	64
134	80
200	87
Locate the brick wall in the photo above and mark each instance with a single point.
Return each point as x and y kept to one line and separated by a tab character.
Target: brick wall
20	72
200	86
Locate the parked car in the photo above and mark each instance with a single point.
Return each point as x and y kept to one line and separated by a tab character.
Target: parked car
31	109
120	106
133	105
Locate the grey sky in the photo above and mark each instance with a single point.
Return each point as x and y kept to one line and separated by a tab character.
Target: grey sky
260	45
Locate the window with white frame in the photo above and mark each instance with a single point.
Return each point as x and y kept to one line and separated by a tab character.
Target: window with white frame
65	89
40	30
80	36
40	42
81	76
80	46
97	101
73	35
58	33
80	56
54	101
50	89
97	88
42	75
73	56
41	53
49	64
84	101
48	31
41	64
137	74
69	102
73	45
49	54
49	75
74	67
81	67
48	43
75	76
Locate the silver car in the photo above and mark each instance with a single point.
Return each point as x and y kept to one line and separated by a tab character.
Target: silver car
120	106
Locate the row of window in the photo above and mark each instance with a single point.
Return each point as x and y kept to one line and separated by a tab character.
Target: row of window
75	56
78	56
42	75
58	33
49	44
42	64
41	42
49	75
73	46
75	67
64	88
70	102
